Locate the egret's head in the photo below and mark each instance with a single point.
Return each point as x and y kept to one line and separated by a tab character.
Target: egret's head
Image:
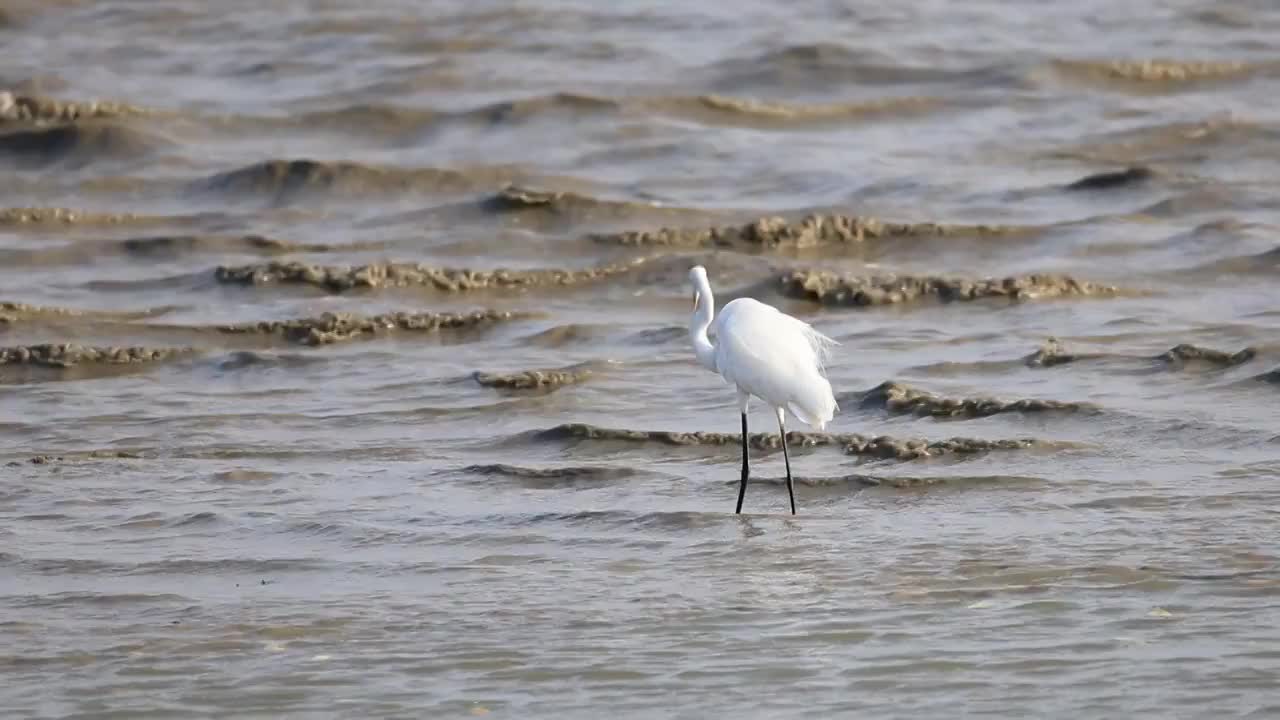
698	278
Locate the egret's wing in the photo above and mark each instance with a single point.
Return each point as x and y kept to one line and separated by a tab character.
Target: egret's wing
775	357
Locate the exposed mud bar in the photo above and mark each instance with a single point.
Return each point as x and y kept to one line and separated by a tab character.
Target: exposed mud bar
33	109
812	231
332	328
65	216
68	355
830	288
900	482
339	279
1182	355
882	447
898	398
87	455
1053	352
1160	71
543	379
13	312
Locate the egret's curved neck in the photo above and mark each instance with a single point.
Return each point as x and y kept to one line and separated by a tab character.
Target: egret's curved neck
699	323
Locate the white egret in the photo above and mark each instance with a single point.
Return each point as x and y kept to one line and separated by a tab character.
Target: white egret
765	353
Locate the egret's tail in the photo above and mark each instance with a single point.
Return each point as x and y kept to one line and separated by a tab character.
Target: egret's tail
816	404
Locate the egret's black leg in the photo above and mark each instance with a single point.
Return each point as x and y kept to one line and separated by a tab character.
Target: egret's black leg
742	486
782	428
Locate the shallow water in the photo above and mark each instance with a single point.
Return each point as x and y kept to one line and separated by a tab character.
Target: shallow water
268	508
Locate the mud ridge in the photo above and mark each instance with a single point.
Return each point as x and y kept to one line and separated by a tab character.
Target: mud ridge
85	455
1160	71
1182	355
40	110
332	328
1053	352
811	231
830	288
66	216
383	275
897	482
882	447
898	398
67	355
542	379
12	312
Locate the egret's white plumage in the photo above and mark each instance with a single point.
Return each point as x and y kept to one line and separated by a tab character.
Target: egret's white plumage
766	354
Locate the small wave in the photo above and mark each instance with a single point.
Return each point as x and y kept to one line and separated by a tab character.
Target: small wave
76	144
1159	72
518	111
811	231
1272	377
711	109
245	360
384	275
573	206
1263	263
543	379
898	398
835	289
553	478
1169	141
152	520
332	328
883	447
823	66
375	119
245	477
282	182
1114	179
80	598
167	247
730	111
171	245
67	355
568	334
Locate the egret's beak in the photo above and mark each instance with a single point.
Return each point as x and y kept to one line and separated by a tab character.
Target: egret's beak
697	296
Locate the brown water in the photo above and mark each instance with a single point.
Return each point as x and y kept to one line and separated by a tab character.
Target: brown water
355	517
